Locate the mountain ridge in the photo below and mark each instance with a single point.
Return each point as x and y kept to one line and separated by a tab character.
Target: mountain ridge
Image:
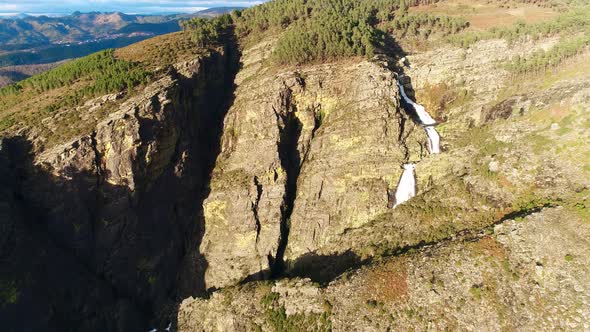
80	26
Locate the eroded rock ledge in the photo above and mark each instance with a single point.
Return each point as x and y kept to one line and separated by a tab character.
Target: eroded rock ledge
509	279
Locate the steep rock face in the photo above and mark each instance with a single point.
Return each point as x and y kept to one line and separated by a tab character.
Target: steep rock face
526	274
475	67
124	201
42	286
243	213
306	154
355	156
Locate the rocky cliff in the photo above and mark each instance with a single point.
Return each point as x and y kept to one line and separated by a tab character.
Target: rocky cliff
492	238
307	154
521	275
233	194
116	211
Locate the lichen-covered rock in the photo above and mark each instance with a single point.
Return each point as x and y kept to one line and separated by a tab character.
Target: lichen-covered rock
530	274
314	150
355	155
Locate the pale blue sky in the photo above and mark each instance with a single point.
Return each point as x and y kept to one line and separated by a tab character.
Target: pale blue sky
126	6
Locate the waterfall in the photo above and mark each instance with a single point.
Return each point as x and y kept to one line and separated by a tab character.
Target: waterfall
425	118
406	188
433	140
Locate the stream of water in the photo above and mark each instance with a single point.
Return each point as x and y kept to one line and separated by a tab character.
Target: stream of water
425	118
406	188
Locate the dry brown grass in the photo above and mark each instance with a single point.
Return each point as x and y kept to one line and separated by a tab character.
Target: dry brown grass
439	98
483	15
488	247
387	283
161	51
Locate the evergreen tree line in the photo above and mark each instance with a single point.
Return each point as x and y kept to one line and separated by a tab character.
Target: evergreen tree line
318	30
558	4
326	29
339	29
205	32
424	25
280	14
572	21
107	74
103	72
544	60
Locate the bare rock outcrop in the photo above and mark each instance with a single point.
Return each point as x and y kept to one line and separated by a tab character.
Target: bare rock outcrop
306	154
526	274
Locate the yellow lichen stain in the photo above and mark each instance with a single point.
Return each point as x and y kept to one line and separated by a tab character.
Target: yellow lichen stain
245	241
340	143
310	101
358	220
278	173
252	115
148	154
392	179
215	211
340	185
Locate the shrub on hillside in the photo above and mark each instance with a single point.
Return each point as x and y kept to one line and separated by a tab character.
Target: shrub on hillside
205	32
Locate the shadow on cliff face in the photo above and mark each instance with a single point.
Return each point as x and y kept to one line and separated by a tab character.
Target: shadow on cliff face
324	269
79	253
208	134
291	163
45	284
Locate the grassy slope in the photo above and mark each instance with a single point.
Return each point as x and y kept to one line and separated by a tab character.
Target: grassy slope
59	96
483	15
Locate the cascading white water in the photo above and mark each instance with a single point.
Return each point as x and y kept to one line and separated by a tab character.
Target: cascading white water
406	188
167	329
425	118
433	140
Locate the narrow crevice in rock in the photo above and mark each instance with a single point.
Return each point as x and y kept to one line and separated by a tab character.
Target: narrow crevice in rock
319	118
213	95
97	158
97	196
403	135
255	206
290	157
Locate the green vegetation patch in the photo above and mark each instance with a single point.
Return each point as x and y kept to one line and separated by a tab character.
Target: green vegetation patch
424	25
9	293
320	30
277	318
530	202
434	217
107	73
204	31
97	74
571	21
544	60
330	34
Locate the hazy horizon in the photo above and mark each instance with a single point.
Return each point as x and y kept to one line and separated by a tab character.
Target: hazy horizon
67	7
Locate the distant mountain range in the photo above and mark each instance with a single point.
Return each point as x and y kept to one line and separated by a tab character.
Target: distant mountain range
24	32
32	44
